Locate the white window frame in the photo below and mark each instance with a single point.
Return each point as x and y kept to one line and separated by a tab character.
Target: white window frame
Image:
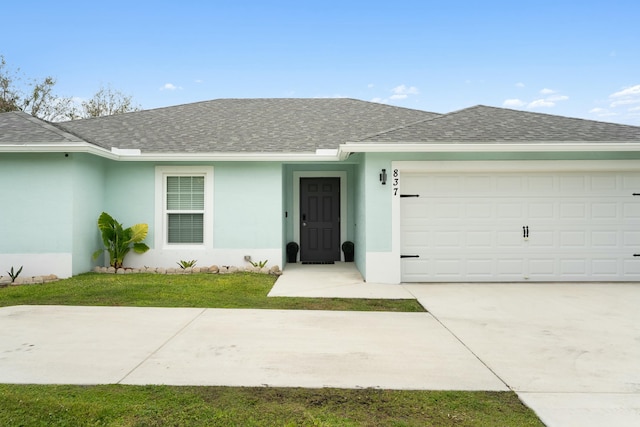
161	212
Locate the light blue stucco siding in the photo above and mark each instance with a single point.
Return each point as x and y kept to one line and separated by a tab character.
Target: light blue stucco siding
248	205
130	194
36	221
89	173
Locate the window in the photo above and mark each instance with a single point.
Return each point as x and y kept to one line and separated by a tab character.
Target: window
185	209
183	199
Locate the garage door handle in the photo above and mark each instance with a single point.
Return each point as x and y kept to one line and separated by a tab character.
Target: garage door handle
525	231
409	195
409	256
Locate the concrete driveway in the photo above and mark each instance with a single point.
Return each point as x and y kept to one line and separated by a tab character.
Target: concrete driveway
570	351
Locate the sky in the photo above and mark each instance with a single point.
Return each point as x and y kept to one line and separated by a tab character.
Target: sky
571	58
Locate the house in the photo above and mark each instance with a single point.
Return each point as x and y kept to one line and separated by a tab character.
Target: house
480	194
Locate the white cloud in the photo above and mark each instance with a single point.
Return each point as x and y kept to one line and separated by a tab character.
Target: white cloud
556	98
519	84
370	85
198	81
170	86
634	109
513	103
621	102
629	91
627	96
405	90
598	110
398	93
541	103
546	91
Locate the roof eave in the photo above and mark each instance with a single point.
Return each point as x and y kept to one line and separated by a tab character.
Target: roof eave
137	156
466	147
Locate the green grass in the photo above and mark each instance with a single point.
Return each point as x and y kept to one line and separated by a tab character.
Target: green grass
119	405
238	290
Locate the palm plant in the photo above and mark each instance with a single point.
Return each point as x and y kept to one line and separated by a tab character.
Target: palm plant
118	241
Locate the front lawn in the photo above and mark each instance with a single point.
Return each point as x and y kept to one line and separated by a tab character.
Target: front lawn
119	405
238	290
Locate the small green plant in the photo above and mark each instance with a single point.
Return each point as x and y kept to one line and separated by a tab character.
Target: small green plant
187	264
118	241
15	275
260	264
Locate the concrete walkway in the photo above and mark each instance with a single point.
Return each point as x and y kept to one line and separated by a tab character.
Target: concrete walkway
279	348
570	351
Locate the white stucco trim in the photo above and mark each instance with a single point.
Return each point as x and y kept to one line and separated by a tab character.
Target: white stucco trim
205	257
296	200
60	264
160	217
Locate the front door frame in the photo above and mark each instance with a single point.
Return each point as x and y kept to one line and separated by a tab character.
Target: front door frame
343	200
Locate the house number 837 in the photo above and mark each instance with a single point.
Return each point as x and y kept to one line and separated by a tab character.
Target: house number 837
396	181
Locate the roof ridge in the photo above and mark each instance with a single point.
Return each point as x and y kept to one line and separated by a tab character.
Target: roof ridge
537	113
49	126
436	116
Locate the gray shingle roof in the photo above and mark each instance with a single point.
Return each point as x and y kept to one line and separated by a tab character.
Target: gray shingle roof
482	124
17	127
245	125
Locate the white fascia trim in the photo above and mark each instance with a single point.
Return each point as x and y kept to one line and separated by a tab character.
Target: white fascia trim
137	156
462	147
231	157
58	148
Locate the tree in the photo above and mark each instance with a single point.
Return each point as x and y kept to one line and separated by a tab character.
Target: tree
37	97
34	97
107	102
9	96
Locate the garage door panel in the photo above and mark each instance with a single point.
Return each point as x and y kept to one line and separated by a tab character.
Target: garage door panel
606	182
509	238
573	210
510	211
631	211
573	239
631	268
605	239
542	239
604	267
542	269
541	210
631	182
468	227
631	240
576	267
604	210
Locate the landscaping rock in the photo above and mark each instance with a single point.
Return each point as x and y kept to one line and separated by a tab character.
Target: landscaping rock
214	269
120	271
111	270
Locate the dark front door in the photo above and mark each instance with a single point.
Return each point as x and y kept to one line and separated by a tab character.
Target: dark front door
319	219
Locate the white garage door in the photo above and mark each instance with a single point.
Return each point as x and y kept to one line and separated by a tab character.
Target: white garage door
513	227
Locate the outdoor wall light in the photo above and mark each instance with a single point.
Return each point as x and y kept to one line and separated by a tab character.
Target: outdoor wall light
383	177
